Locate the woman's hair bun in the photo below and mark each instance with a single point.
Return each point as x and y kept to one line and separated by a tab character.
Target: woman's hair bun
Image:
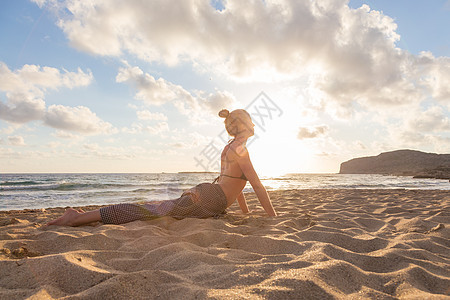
224	113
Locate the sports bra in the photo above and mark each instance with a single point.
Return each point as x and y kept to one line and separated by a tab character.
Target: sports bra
240	177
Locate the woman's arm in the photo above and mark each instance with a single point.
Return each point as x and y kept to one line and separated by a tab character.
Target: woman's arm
263	197
249	172
242	203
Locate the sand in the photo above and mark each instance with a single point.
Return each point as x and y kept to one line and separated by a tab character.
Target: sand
325	244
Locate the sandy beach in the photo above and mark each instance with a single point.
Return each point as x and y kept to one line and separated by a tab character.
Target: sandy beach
325	244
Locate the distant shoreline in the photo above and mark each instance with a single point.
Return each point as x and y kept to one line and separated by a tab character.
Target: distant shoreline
196	172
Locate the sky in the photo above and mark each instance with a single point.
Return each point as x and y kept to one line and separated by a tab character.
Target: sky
136	86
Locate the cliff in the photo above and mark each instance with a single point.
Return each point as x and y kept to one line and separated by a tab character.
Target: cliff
401	162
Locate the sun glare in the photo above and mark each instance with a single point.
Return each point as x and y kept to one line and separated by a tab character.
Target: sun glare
274	156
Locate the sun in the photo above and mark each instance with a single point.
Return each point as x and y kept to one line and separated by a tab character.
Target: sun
274	156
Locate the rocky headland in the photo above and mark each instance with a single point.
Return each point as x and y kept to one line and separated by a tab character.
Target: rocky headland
401	162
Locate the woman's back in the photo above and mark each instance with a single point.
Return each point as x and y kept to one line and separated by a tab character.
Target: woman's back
232	179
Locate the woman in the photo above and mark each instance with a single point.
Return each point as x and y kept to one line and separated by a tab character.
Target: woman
205	199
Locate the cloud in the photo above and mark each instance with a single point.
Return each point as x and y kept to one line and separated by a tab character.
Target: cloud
434	73
349	55
66	135
16	140
54	144
404	138
160	91
91	146
9	153
48	77
202	105
22	108
109	153
36	79
157	129
150	90
312	132
10	129
433	119
179	145
214	102
147	115
187	140
427	129
25	89
79	119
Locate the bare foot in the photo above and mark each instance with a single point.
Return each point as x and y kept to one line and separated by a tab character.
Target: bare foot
67	219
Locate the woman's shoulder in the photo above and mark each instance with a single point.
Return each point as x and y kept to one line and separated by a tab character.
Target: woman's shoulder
239	148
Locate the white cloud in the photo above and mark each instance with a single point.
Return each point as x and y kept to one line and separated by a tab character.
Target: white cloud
420	132
147	115
11	81
25	89
16	140
10	129
79	119
160	91
158	129
108	153
22	108
150	90
416	128
434	73
54	145
214	102
417	140
9	153
66	135
441	144
427	129
347	59
36	79
187	140
312	132
432	120
91	146
349	54
179	145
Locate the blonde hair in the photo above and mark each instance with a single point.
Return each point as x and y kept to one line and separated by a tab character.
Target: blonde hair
235	120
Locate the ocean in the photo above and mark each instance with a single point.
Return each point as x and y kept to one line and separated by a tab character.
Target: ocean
32	191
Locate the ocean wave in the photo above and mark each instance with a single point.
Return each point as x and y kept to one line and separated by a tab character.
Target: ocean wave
138	191
68	186
51	190
61	186
85	186
38	186
15	183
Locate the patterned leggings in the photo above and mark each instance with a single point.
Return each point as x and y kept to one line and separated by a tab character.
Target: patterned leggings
202	201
